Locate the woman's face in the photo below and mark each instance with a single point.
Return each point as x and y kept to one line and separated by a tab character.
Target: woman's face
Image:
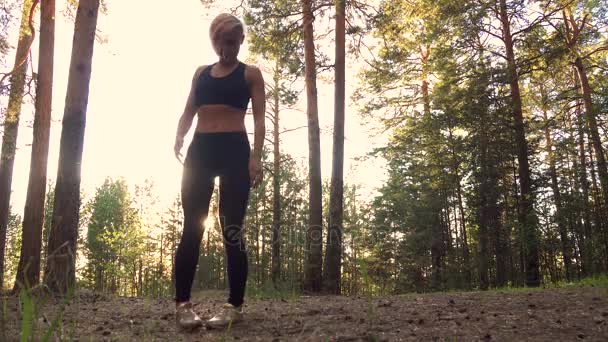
227	43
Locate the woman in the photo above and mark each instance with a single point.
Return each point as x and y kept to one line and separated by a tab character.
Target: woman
219	94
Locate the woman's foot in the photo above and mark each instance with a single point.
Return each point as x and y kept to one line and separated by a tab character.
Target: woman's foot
186	318
228	315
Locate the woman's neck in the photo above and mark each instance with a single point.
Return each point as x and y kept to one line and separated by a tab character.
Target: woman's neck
228	65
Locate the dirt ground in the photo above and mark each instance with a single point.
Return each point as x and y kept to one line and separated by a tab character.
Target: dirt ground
536	315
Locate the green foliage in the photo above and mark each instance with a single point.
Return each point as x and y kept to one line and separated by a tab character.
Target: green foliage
6	17
274	35
114	238
283	291
172	223
437	82
30	304
27	316
13	244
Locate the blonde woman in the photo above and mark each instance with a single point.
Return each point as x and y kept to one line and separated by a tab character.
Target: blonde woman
219	95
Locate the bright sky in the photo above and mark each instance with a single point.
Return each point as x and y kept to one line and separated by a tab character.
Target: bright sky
139	85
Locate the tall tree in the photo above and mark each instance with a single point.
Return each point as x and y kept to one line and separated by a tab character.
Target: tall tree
314	237
585	237
172	233
11	121
400	77
110	238
60	271
33	215
333	251
527	216
274	35
557	196
582	44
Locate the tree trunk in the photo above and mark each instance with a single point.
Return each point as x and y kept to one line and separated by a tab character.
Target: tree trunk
264	256
500	239
258	273
463	233
572	40
263	264
559	214
333	255
597	215
594	135
484	280
436	236
11	126
353	245
527	217
161	263
60	274
575	212
276	185
489	213
585	245
314	236
28	271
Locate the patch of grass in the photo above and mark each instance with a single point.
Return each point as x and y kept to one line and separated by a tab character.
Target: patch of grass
282	291
27	315
30	303
599	281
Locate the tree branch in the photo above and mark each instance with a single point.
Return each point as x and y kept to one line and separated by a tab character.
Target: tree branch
292	129
33	36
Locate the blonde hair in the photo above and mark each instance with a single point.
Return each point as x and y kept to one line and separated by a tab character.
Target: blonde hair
225	21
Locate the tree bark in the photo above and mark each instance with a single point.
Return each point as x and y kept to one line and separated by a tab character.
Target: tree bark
314	237
595	238
11	126
527	217
483	235
60	271
573	33
463	233
585	245
28	271
559	214
333	251
436	238
276	185
593	130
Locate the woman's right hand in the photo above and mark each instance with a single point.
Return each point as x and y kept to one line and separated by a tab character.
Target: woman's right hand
177	148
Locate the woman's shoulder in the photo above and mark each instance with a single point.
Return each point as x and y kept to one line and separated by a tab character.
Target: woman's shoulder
250	67
201	68
252	72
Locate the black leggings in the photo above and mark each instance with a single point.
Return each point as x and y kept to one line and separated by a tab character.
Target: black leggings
223	154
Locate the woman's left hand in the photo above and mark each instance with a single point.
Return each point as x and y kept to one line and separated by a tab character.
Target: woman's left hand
255	172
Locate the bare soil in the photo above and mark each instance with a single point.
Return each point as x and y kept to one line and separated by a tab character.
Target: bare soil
575	314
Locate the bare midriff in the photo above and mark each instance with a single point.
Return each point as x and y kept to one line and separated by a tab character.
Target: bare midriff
220	118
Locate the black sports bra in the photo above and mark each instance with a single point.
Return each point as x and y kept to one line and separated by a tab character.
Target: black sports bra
231	90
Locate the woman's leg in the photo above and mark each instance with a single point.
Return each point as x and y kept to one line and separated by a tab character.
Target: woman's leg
197	187
234	195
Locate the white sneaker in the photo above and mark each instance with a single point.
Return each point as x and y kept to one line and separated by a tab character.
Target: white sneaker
186	318
229	314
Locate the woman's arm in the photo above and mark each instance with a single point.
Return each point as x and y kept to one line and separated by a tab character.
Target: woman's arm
258	104
185	121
